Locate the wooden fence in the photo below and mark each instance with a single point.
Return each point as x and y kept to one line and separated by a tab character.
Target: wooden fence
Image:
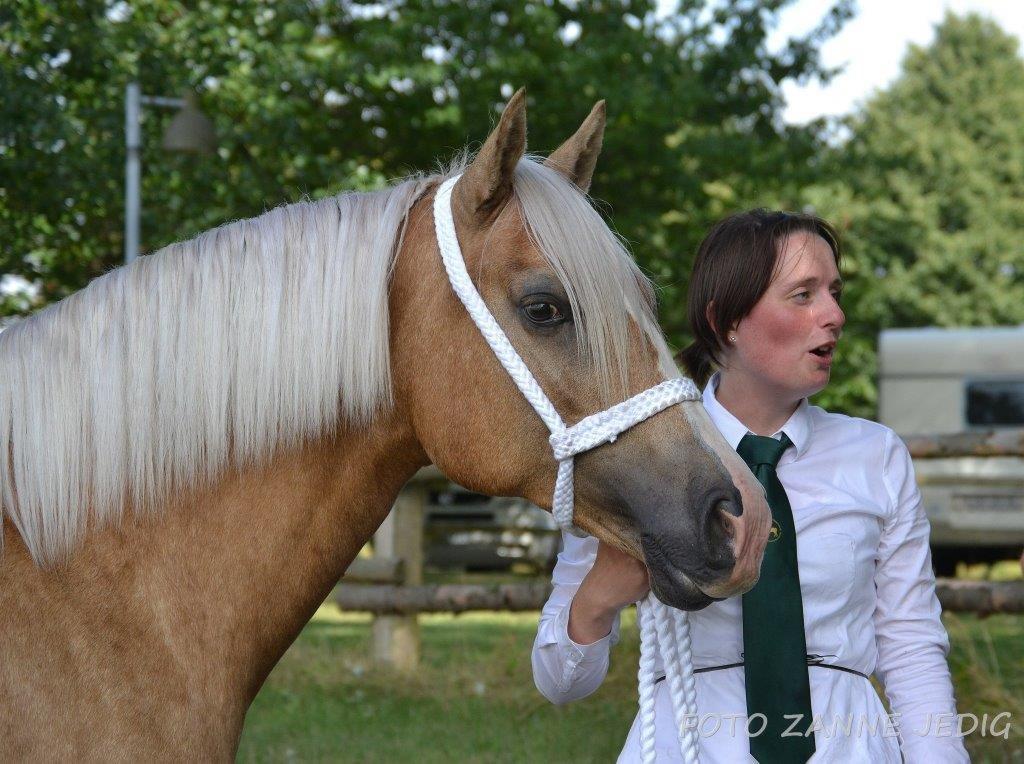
398	563
390	584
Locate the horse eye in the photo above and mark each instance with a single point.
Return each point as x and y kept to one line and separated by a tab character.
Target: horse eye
544	313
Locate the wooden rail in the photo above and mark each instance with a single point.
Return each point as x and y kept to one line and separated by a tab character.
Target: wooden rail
982	597
375	570
988	443
442	598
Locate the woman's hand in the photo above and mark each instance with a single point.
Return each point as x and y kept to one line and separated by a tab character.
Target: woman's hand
615	580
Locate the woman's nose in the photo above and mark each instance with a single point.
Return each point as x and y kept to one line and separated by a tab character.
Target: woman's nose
835	316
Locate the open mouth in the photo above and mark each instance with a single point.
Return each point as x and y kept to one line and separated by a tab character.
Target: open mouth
824	352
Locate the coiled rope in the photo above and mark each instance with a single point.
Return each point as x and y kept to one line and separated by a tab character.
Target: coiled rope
662	628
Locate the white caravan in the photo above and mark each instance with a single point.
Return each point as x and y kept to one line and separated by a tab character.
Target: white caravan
938	381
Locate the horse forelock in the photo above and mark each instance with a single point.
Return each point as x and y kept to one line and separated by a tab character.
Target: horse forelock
606	289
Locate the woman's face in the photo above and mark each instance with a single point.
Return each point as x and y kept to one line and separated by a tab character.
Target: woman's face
785	345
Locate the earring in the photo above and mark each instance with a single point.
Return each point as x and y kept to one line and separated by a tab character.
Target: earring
732	338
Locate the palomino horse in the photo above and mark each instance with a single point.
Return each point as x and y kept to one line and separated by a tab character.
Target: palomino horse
198	444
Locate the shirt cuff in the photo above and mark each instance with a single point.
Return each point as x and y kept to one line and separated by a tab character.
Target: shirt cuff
595	651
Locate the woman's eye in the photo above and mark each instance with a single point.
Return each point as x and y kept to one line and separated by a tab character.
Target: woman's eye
837	296
544	313
802	295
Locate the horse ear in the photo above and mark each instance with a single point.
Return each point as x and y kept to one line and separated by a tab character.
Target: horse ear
577	157
487	183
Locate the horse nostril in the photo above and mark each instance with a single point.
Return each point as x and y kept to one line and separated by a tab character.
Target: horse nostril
720	533
732	503
722	508
726	520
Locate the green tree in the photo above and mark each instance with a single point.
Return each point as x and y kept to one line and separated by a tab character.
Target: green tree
929	193
312	98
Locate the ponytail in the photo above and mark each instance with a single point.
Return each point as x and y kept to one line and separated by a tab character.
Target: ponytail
698	362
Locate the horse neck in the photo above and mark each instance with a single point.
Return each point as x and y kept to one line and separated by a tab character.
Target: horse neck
221	581
271	543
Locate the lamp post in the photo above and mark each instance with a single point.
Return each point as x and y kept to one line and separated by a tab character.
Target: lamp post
189	130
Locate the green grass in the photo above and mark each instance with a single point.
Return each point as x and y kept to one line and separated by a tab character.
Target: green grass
474	701
987	661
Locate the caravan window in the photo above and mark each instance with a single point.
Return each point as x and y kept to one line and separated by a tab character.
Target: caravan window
995	403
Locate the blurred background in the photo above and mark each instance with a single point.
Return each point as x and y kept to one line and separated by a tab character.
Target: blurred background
915	153
901	123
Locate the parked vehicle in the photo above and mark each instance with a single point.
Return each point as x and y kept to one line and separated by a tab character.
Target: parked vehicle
468	530
937	381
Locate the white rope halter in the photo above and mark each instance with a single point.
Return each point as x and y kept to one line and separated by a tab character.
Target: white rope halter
660	626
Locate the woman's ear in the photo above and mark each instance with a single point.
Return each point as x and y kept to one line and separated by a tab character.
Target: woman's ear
729	338
709	314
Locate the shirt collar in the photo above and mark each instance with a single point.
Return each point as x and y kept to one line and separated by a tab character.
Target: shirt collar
797	427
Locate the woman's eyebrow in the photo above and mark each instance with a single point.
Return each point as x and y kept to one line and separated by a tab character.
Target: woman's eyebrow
810	281
813	281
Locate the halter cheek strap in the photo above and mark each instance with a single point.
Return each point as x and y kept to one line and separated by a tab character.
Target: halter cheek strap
662	628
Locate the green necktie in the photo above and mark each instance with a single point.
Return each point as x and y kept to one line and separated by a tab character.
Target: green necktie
774	644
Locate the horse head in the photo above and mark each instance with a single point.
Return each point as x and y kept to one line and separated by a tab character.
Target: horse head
579	312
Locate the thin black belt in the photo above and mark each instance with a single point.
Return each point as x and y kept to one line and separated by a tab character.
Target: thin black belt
812	660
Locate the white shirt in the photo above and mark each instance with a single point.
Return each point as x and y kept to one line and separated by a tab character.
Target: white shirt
868	599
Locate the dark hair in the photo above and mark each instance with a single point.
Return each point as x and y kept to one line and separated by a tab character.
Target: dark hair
734	266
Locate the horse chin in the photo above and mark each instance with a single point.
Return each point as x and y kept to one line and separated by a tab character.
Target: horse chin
674	588
669	583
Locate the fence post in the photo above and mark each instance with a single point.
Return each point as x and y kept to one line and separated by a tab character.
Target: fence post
396	639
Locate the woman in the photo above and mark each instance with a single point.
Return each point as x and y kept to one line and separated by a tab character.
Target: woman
846	589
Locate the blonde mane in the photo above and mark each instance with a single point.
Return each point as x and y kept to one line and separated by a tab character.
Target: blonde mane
253	336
